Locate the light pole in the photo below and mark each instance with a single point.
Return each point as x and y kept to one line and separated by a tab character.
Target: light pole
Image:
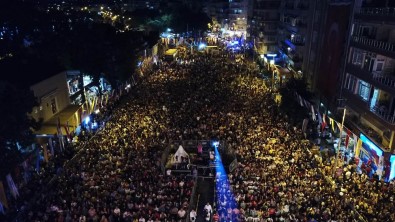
340	142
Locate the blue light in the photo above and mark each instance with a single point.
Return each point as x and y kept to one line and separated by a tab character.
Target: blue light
225	197
87	120
202	46
371	145
392	169
215	144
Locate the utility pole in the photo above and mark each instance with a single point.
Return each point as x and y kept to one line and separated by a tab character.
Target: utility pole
340	142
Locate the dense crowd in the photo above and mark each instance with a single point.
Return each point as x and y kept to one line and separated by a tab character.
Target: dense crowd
118	176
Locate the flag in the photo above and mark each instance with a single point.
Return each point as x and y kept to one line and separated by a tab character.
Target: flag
51	146
37	159
93	104
26	171
319	116
45	152
300	100
106	99
331	122
313	113
60	136
339	125
66	128
3	197
11	185
323	124
358	149
355	138
348	137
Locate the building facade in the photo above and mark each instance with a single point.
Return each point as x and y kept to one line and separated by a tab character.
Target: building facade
295	29
62	99
369	76
264	25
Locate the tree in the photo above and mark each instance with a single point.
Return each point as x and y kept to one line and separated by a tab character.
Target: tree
289	103
187	18
16	127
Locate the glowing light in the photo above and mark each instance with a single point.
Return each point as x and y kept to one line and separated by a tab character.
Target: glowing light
97	111
392	172
271	62
223	189
202	46
371	145
215	144
87	120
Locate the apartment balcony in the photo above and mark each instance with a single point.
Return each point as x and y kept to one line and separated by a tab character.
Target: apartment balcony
375	115
376	14
383	113
373	45
382	81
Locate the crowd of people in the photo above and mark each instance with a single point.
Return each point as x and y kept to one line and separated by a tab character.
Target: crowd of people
117	175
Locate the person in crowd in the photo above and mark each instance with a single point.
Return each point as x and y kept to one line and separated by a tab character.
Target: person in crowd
117	176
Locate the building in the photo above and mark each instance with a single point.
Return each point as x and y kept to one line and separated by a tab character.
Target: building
61	98
237	18
132	5
368	85
264	25
216	10
295	29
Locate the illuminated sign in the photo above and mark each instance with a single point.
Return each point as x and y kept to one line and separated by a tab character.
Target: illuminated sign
371	144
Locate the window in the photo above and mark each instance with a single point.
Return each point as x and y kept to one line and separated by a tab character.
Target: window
357	58
53	106
350	82
379	65
364	90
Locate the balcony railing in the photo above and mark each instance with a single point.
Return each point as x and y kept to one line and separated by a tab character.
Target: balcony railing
384	79
377	11
383	113
374	43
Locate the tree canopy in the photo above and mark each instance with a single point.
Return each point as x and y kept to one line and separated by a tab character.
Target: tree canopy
16	127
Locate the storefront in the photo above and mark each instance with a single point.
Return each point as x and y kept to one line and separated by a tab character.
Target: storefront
392	168
371	155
